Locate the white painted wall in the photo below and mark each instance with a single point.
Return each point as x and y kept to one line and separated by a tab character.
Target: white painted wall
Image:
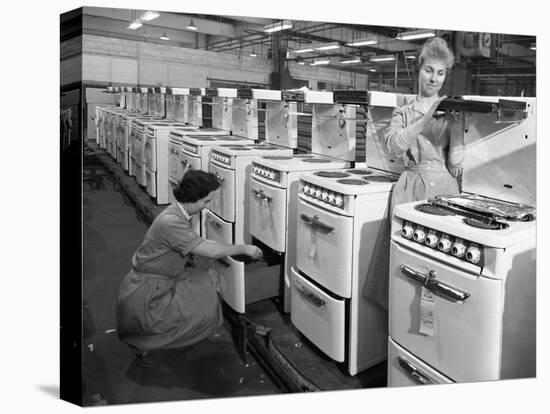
130	62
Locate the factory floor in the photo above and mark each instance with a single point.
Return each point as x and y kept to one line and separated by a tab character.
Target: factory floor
213	368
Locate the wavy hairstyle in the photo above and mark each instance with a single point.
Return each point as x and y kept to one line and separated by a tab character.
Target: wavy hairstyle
435	48
194	185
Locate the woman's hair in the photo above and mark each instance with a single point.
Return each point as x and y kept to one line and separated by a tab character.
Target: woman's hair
435	48
194	185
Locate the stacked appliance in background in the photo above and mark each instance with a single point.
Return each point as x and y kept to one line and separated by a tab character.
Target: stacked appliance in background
462	271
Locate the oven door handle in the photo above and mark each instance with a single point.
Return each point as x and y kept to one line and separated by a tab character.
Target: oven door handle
429	281
309	295
261	195
415	372
215	223
315	222
220	178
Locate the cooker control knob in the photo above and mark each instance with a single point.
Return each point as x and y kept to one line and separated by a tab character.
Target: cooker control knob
473	254
324	195
312	190
444	243
271	175
419	234
407	231
318	192
431	239
306	189
338	201
331	198
459	248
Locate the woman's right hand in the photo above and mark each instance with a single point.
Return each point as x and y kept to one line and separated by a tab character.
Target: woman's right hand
253	251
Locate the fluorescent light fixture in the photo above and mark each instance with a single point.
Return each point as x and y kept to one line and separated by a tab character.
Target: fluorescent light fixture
533	46
363	42
135	24
305	50
327	46
191	26
372	70
253	54
415	34
320	62
382	58
165	36
277	27
301	62
149	15
410	56
355	60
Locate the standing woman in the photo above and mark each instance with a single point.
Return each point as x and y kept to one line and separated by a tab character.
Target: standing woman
432	148
164	302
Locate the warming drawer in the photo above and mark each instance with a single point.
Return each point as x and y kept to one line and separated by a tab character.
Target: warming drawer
319	316
404	369
242	283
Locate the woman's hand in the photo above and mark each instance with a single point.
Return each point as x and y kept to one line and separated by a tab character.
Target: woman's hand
430	112
253	251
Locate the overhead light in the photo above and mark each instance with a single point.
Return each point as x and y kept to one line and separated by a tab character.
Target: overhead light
253	54
165	36
327	46
149	15
277	27
135	24
372	70
533	46
363	42
320	62
415	34
305	50
191	26
355	60
301	62
381	58
410	56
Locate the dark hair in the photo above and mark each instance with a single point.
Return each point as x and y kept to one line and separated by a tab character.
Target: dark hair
194	185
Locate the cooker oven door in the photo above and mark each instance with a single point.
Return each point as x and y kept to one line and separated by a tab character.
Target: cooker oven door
173	160
324	247
453	324
404	369
319	316
223	201
217	229
268	214
151	152
187	162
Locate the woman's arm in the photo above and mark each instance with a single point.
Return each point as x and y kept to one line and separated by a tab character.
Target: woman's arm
216	250
455	156
399	136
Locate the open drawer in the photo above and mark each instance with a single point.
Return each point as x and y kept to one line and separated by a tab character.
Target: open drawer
243	282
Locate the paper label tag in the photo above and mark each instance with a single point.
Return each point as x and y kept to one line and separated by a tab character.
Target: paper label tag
427	313
312	250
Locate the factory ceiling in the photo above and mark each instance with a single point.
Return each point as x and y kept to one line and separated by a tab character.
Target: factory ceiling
504	53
